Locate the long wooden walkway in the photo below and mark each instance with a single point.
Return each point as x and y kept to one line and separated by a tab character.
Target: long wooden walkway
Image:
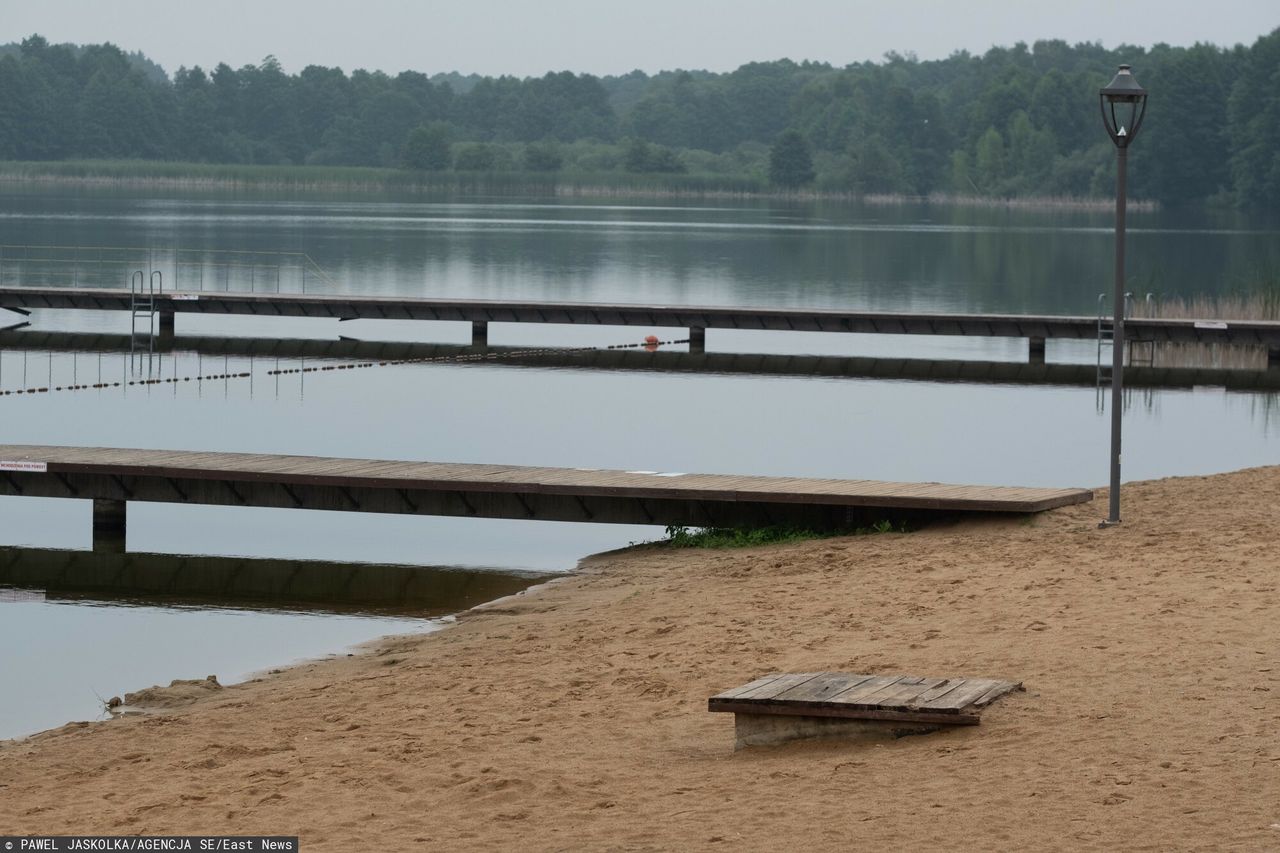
112	477
663	360
697	319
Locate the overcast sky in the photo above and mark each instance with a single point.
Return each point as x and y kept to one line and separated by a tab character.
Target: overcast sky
530	37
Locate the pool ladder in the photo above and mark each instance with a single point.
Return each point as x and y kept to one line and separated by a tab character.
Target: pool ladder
143	290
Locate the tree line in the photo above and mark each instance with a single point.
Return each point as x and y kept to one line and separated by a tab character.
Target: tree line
1014	121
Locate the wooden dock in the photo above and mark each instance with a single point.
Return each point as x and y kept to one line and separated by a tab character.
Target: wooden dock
111	477
664	360
697	319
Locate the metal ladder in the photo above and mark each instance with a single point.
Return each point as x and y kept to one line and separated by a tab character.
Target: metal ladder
142	303
1106	340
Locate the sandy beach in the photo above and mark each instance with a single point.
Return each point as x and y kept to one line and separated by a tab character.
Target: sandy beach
574	717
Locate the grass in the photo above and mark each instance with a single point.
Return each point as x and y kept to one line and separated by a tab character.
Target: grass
679	536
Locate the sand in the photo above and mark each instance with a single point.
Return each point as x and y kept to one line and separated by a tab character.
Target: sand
575	717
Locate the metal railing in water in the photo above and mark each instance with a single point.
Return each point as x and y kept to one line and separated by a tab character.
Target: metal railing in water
252	270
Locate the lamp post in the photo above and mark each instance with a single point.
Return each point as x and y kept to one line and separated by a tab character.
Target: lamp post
1123	103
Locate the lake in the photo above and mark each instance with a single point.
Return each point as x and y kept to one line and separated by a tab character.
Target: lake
756	253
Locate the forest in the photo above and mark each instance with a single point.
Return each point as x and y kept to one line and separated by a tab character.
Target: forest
1018	121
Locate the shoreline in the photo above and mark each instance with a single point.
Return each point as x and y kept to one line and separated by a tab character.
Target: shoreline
370	180
573	715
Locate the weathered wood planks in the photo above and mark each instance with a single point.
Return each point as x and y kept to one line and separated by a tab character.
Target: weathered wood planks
901	698
514	479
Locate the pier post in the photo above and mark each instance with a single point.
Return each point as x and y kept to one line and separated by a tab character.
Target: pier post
697	339
165	330
109	526
479	333
1273	357
1035	350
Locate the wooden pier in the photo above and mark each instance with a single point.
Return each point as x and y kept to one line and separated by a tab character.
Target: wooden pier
663	360
112	477
696	319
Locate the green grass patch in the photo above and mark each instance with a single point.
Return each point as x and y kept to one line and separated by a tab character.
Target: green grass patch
679	536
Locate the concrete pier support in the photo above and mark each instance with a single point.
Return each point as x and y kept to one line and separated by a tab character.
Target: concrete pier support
479	333
1273	358
1035	350
109	525
697	339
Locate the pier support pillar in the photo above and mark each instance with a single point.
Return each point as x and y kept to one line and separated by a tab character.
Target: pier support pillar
1035	350
165	330
697	339
479	333
109	526
1273	358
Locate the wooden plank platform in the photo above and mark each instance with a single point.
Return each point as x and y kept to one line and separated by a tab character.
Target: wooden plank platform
350	484
898	698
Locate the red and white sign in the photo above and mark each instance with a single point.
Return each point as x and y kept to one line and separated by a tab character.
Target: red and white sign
185	297
23	465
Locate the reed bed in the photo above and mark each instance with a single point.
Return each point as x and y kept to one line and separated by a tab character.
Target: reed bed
1212	356
1023	203
154	174
1260	304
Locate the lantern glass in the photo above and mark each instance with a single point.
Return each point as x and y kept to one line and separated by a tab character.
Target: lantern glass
1124	104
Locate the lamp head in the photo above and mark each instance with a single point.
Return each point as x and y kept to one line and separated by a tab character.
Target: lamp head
1124	104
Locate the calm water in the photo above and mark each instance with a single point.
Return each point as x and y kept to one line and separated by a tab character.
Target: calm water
910	258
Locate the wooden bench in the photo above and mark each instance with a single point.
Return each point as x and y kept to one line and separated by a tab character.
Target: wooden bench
792	706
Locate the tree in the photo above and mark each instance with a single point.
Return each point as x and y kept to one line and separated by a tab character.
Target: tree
643	157
790	163
427	147
475	157
990	161
1255	126
875	169
543	157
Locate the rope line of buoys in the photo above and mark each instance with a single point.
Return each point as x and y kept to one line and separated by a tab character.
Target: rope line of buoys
650	343
98	386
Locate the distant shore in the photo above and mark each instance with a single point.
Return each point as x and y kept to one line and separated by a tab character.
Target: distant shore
575	716
161	175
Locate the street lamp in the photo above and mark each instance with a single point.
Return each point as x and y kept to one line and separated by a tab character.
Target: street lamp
1124	103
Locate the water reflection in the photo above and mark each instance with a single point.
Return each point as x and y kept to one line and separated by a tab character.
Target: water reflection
911	257
167	580
77	627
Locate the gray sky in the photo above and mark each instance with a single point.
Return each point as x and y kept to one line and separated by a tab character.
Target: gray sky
530	37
